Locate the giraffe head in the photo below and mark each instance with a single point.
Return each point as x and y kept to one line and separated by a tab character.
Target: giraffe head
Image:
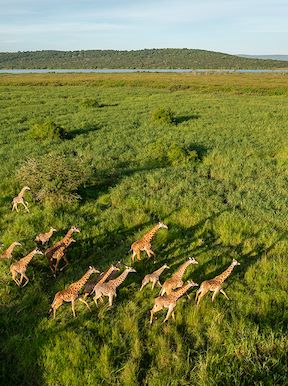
162	225
71	241
53	229
114	267
75	229
192	283
93	269
16	243
37	251
192	260
235	262
26	188
166	266
129	269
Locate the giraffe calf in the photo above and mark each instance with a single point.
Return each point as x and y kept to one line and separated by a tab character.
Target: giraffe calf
153	277
169	301
20	267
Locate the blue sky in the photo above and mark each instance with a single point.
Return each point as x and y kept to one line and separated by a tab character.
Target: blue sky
231	26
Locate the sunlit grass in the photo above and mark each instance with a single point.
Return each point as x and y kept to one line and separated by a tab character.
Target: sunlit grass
227	201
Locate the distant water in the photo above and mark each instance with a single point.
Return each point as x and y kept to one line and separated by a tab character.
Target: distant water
111	71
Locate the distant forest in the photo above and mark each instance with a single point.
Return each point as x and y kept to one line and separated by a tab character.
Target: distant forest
139	59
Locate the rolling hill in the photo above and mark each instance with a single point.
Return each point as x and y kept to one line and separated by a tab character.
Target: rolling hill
148	58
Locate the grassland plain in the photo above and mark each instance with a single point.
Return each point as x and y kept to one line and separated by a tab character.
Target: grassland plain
227	200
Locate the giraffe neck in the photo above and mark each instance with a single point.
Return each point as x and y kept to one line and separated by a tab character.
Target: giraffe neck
160	270
119	280
50	233
67	236
81	282
105	275
149	235
11	248
21	194
223	276
177	294
26	260
181	270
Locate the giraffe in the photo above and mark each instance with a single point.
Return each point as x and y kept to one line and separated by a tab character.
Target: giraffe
71	293
20	200
109	288
153	277
7	254
109	274
21	265
215	285
59	254
44	237
144	244
169	301
176	280
63	242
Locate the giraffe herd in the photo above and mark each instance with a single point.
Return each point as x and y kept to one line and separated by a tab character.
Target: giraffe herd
107	282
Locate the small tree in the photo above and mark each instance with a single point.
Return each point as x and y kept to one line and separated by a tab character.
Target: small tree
163	116
54	178
47	130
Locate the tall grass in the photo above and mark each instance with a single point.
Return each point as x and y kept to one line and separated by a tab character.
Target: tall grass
217	177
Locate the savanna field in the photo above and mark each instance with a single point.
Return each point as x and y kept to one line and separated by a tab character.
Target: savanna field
205	154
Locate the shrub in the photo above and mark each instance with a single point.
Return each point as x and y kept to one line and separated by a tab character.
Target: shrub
54	178
163	116
47	130
91	103
177	155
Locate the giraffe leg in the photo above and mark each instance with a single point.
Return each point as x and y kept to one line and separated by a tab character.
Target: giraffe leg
158	282
66	261
222	292
133	257
155	309
15	206
56	308
173	315
153	284
27	280
110	300
25	206
170	311
215	293
200	295
84	301
138	253
73	308
144	282
51	264
21	278
14	277
56	266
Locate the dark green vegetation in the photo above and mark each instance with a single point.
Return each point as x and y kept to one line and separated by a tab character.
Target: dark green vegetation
217	176
148	58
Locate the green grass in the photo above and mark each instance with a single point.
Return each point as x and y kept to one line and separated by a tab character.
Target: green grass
217	176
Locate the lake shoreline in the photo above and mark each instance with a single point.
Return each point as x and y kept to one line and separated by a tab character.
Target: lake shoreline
127	71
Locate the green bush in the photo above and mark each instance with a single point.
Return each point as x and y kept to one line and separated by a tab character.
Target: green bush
91	103
47	130
163	116
54	178
177	155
